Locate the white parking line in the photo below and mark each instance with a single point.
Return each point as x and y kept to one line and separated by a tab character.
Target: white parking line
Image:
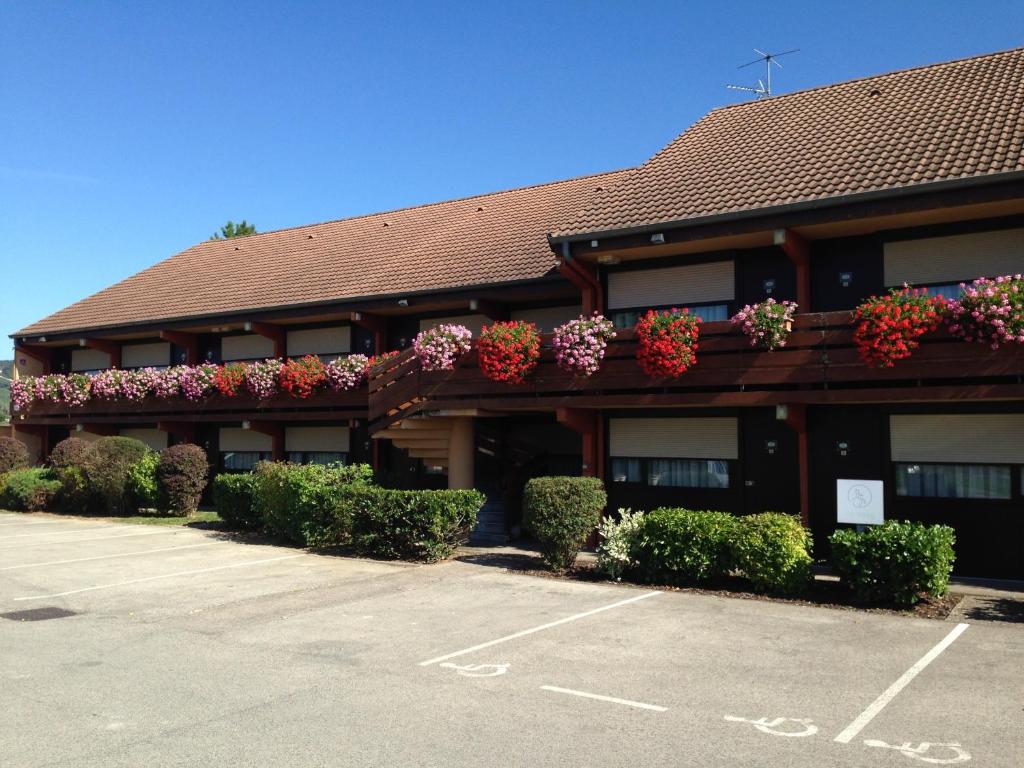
21	544
598	697
541	628
108	557
61	533
17	520
890	693
155	578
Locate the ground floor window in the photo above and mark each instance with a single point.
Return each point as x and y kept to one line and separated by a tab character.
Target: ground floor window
243	461
627	318
672	473
317	457
953	481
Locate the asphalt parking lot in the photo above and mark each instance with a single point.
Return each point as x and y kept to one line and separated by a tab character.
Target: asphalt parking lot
178	647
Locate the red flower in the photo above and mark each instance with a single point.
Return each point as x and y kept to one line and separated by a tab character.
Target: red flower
300	378
667	342
229	378
888	327
508	351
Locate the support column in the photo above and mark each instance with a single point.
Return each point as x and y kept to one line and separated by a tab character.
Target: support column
276	432
799	252
378	326
42	355
112	348
187	341
461	453
273	332
588	425
796	419
186	430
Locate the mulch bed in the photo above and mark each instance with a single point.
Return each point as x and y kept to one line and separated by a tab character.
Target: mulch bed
824	593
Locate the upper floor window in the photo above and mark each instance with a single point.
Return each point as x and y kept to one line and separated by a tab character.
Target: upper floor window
953	481
627	318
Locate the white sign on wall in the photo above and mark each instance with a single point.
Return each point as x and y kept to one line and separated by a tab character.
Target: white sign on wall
861	502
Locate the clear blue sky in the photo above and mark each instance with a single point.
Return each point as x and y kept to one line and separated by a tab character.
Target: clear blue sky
129	131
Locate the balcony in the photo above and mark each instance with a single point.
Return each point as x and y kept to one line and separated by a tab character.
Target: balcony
819	364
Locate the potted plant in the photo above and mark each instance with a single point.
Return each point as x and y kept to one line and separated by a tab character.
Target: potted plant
989	311
667	342
888	327
580	344
261	378
301	378
438	348
767	324
509	351
346	373
229	379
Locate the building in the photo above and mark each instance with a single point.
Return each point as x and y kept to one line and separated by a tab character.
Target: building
825	196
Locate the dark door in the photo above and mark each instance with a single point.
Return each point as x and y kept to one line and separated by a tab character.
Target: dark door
771	473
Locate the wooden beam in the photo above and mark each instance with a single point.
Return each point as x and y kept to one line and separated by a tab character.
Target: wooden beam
376	325
796	419
585	277
43	355
799	252
492	310
186	430
587	424
187	341
273	332
276	432
106	430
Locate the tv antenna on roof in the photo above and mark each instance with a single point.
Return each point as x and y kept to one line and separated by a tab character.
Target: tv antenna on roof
764	87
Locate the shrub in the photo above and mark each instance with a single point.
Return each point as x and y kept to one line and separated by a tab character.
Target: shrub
141	484
234	496
305	504
181	477
618	540
30	490
894	562
561	512
107	467
411	525
681	546
75	496
70	452
773	551
13	454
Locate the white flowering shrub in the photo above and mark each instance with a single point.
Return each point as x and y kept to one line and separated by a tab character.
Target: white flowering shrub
617	536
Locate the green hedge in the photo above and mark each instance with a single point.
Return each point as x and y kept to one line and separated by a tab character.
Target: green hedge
773	551
411	525
106	468
75	496
30	490
235	499
305	504
140	483
682	546
894	562
561	512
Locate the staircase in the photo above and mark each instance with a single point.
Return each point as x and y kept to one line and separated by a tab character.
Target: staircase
490	525
424	437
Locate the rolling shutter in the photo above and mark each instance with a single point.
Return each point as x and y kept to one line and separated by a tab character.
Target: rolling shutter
142	355
954	259
473	322
680	286
987	438
547	318
238	439
327	439
674	438
320	341
153	438
251	347
89	360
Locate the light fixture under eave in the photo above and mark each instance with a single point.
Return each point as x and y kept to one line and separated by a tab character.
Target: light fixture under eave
608	258
246	425
403	302
658	238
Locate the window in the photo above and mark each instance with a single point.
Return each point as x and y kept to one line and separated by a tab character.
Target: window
953	481
672	473
947	291
243	461
317	457
627	318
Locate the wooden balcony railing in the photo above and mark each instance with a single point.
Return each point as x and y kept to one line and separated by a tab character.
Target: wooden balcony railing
818	364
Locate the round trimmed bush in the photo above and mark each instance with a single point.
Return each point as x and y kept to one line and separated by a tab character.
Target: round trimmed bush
181	476
561	512
13	454
70	452
234	496
681	546
107	466
773	551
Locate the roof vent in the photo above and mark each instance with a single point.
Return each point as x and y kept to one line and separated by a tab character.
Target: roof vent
479	208
875	92
238	247
311	235
599	189
385	224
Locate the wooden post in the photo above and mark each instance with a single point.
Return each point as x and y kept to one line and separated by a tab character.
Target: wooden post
276	432
587	424
112	348
796	418
798	250
187	341
376	325
584	277
186	430
273	332
44	355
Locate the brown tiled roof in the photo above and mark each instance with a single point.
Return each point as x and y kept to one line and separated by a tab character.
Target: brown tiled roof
946	121
495	238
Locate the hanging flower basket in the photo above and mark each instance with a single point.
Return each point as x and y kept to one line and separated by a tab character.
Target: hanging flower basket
989	311
301	378
667	342
261	378
383	357
197	381
106	385
509	351
888	327
438	348
580	344
767	324
229	379
75	389
346	373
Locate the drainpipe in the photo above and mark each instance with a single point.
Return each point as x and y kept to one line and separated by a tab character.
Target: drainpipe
590	286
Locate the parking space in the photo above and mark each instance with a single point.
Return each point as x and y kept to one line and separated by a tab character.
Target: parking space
189	648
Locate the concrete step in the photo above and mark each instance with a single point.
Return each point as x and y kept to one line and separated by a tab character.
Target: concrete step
481	539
